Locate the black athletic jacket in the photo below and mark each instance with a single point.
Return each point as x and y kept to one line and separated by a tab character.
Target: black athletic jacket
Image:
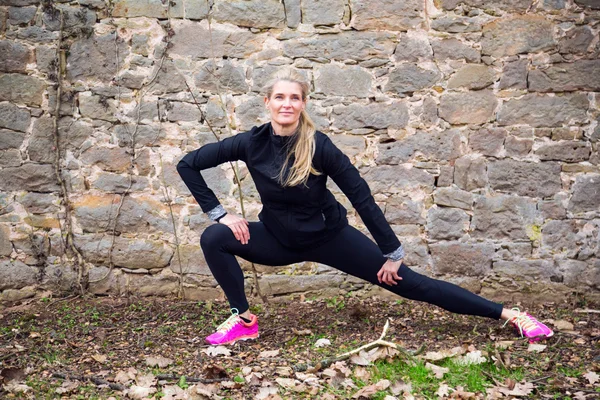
298	216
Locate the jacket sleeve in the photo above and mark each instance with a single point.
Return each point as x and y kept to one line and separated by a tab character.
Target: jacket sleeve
209	156
337	165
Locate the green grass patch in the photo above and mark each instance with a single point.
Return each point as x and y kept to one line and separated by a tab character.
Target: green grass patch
472	377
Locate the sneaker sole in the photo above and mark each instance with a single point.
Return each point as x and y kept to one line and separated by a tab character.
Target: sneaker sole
540	337
232	342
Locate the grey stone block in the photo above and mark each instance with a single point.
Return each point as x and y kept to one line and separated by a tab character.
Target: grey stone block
530	270
252	14
114	159
20	88
452	197
97	107
514	75
577	40
95	57
357	46
519	6
516	146
516	35
456	24
293	13
401	210
525	178
115	183
504	217
225	77
473	76
487	141
457	258
585	194
468	108
72	17
10	139
394	179
37	34
447	223
127	253
31	177
21	15
14	56
372	115
408	78
454	49
5	244
542	110
435	146
10	158
17	275
386	14
39	203
569	151
412	48
322	12
470	172
334	80
565	77
193	39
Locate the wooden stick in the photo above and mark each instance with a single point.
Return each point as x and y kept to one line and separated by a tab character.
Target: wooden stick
166	377
93	379
377	343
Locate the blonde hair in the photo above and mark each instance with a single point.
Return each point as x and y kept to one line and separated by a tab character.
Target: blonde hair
303	148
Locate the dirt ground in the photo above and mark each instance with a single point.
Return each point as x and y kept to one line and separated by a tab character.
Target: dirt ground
91	347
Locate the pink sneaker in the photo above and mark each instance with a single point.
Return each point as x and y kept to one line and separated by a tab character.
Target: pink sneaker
530	327
234	329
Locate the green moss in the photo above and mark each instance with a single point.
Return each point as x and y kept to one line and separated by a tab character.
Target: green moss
534	232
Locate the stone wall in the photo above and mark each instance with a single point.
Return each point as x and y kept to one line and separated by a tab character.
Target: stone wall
475	123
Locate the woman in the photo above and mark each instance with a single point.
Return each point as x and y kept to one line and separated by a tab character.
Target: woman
301	220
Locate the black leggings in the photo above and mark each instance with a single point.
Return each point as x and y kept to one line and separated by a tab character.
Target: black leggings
349	251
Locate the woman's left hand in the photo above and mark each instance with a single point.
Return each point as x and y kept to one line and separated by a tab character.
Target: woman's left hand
388	274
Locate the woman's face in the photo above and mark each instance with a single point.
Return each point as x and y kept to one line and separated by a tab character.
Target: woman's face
285	104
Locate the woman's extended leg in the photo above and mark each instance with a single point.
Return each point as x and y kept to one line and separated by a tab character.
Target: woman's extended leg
354	253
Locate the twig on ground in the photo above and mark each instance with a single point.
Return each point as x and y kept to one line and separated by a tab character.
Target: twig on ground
94	379
379	342
167	377
543	378
586	311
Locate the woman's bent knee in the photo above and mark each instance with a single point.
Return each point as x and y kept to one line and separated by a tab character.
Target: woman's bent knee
215	235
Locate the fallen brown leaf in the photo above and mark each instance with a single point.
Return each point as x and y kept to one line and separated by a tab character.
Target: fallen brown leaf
437	370
400	387
268	353
67	387
563	325
101	358
214	351
140	392
158	361
592	377
536	347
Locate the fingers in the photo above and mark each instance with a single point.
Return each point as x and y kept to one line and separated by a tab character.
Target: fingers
245	232
241	232
237	232
388	277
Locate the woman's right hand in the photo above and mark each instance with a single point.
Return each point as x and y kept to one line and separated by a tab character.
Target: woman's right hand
238	225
